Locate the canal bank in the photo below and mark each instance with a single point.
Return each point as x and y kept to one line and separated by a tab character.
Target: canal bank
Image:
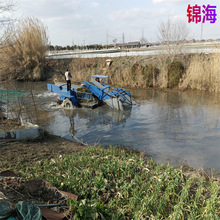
187	71
29	152
181	72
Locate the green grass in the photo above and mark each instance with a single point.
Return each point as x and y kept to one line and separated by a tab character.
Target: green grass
116	183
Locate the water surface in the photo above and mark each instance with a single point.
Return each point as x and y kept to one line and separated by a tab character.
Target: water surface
175	127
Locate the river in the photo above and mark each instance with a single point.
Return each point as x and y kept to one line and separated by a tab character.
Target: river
171	126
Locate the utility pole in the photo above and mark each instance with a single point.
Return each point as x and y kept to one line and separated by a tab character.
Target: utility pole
107	37
201	30
142	38
123	38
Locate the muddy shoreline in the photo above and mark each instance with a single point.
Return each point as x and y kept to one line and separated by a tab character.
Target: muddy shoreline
29	152
32	151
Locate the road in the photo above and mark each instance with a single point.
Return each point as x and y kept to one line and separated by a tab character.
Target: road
204	47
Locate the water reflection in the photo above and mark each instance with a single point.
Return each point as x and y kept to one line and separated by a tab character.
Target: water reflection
88	125
101	116
174	127
184	126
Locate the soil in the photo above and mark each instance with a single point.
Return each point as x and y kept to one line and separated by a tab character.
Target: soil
14	188
17	189
29	152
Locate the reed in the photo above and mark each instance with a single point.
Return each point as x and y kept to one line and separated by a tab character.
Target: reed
203	73
23	50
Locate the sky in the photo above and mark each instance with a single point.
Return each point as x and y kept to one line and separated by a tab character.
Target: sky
83	22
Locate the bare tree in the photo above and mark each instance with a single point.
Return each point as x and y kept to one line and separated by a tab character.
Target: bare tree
5	8
173	35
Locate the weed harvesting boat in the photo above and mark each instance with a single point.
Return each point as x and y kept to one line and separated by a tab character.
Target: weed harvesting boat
98	92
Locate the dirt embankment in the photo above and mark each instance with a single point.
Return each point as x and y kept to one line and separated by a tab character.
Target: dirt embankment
29	152
184	72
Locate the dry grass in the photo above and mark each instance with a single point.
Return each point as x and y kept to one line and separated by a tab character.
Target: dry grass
124	72
196	72
82	68
23	51
203	73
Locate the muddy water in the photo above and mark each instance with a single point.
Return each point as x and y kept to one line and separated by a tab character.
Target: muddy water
174	127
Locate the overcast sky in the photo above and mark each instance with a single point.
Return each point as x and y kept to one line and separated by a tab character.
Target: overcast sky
100	21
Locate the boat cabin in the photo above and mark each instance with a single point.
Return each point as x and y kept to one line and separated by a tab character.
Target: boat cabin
98	78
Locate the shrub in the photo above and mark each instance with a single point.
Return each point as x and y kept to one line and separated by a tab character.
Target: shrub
23	51
175	71
136	70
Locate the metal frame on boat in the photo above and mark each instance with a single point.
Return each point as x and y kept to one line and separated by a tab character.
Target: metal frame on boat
116	98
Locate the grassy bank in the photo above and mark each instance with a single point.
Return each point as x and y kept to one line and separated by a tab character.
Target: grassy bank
116	183
189	71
